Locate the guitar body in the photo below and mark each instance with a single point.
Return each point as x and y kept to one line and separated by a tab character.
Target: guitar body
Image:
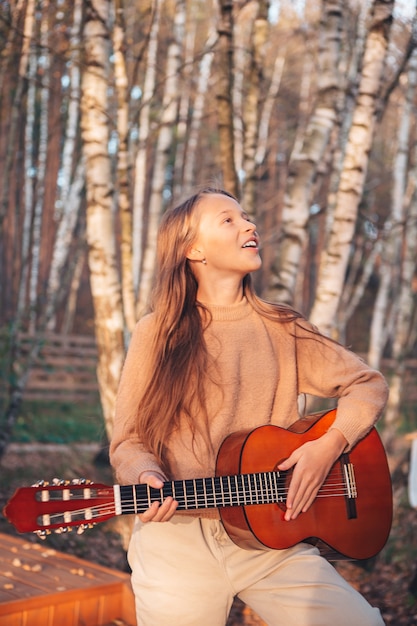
356	534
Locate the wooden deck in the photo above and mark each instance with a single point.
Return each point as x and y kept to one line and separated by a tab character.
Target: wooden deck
42	587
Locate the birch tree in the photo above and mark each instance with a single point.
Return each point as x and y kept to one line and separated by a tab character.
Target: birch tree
69	150
18	372
243	30
44	60
204	72
163	148
224	97
253	100
28	28
123	188
335	257
389	275
104	276
71	178
400	259
143	134
304	163
184	106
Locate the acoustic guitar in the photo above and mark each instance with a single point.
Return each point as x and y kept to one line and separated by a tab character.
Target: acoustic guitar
351	515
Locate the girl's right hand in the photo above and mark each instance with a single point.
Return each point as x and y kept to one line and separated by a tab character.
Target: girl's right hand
157	512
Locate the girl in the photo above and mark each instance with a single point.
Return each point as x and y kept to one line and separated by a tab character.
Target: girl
210	359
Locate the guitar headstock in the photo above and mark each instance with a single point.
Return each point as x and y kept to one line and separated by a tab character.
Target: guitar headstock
60	506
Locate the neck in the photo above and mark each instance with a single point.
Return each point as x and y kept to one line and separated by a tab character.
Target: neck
221	293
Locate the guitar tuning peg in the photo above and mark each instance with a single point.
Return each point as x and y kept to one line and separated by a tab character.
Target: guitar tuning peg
41	534
41	483
81	529
81	481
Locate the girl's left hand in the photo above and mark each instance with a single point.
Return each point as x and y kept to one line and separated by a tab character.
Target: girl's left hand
312	462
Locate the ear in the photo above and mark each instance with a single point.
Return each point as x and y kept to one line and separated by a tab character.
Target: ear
195	255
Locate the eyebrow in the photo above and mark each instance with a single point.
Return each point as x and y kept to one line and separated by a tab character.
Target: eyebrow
228	211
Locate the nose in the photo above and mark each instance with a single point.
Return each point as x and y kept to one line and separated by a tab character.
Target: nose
250	226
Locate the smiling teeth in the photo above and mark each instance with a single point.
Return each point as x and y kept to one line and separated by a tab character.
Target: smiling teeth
249	244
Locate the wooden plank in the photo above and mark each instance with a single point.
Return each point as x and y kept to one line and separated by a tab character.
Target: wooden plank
57	339
59	380
44	586
64	370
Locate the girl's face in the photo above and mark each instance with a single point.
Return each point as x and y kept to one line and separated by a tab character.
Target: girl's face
226	239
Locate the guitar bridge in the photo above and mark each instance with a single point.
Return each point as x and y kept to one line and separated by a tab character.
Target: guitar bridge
349	480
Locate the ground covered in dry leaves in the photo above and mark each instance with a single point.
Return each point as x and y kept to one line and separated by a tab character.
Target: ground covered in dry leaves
389	581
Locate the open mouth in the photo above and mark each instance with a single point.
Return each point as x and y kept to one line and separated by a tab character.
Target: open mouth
250	244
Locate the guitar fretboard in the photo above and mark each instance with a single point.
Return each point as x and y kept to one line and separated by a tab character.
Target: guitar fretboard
205	493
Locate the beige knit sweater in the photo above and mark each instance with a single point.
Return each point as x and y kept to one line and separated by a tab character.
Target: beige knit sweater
263	365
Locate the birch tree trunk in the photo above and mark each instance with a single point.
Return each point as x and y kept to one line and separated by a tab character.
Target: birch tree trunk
266	113
252	105
224	97
243	30
121	85
305	162
62	244
335	257
197	112
389	274
28	29
185	102
351	67
28	186
41	169
104	277
407	243
404	322
163	148
19	371
140	159
69	152
6	52
68	202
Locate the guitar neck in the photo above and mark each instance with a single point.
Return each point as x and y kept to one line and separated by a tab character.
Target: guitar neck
204	493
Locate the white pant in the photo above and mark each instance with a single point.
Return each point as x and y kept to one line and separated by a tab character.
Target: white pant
187	572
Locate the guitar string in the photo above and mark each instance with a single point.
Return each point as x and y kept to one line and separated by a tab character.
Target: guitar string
139	506
202	498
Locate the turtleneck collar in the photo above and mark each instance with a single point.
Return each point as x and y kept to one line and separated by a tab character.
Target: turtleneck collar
229	313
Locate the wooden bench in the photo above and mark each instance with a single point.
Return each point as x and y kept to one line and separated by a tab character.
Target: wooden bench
42	587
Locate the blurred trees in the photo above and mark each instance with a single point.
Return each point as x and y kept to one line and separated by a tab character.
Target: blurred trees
113	109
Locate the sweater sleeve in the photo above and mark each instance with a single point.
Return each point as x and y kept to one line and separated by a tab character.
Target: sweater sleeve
128	455
327	369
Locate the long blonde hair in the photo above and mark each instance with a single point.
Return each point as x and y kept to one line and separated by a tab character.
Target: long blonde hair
178	363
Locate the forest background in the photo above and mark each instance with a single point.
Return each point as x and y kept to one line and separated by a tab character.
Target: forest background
112	110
